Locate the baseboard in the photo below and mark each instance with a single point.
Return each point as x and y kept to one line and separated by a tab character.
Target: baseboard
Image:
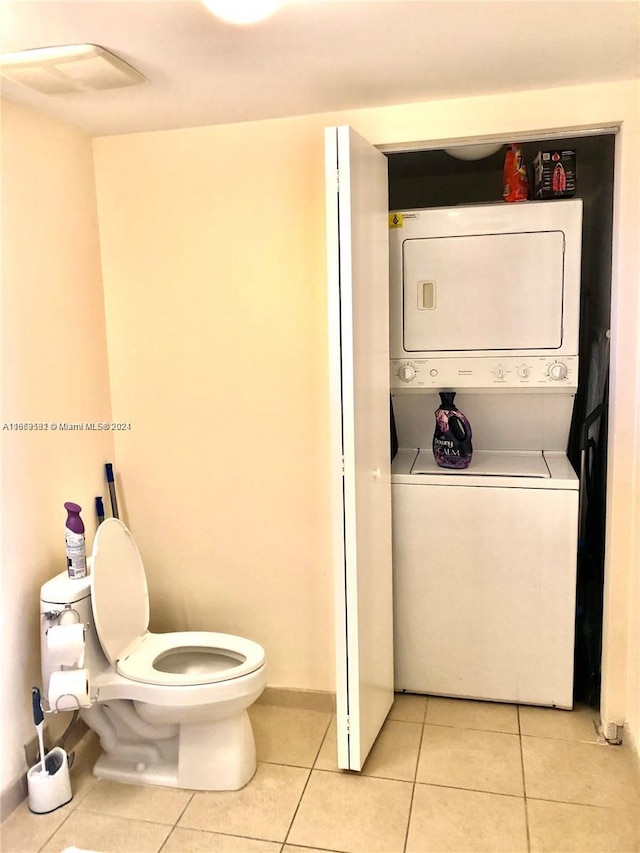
12	796
307	700
630	744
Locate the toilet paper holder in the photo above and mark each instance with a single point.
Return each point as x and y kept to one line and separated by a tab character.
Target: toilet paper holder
56	615
69	701
65	646
57	710
72	703
85	627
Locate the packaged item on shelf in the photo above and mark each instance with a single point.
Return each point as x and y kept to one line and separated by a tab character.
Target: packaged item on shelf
555	174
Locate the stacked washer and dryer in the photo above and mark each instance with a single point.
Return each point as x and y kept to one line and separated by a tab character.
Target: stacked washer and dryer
485	301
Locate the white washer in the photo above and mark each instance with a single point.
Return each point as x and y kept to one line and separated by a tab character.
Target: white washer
484	577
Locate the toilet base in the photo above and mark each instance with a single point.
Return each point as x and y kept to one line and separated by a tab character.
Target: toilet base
218	756
120	770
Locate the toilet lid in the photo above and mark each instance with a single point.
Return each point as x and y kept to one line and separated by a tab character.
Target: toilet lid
119	594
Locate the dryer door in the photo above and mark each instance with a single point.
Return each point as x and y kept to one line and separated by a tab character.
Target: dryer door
483	292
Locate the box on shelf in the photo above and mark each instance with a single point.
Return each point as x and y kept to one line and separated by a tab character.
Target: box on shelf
554	174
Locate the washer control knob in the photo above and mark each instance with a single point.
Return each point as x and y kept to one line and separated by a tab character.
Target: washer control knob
407	372
433	372
557	370
523	371
498	371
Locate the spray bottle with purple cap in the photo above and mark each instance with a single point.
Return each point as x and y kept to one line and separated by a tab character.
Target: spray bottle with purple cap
74	538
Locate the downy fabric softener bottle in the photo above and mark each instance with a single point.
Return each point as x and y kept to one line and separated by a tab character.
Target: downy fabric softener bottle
452	436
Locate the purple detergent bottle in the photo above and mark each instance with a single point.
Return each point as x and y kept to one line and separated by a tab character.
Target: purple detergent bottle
452	436
74	539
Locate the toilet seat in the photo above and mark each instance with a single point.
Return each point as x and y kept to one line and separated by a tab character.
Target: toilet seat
190	657
120	604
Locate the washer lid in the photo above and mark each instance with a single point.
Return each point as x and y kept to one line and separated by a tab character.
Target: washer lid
488	463
119	594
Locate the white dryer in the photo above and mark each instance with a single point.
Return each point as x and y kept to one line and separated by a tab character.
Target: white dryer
485	302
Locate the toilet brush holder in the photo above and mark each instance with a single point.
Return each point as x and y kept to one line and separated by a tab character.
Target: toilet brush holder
50	789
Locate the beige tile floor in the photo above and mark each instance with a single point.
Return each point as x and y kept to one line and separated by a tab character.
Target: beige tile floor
444	775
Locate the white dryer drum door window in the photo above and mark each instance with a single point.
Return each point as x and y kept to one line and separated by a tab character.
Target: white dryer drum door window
484	292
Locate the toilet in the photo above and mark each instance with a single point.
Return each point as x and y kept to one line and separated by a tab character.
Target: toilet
169	709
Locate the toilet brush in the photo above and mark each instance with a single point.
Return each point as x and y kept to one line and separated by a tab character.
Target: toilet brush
38	719
48	783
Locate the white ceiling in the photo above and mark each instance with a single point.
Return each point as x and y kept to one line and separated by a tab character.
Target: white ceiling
319	55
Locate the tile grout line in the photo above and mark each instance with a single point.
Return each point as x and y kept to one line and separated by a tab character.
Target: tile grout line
560	739
524	781
473	729
322	740
75	810
169	834
413	793
127	817
164	843
226	834
622	809
56	829
415	778
471	790
175	823
72	811
286	838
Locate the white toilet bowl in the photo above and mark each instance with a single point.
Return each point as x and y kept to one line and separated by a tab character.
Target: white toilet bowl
170	709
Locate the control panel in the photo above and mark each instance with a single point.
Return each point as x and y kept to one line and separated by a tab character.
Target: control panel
508	372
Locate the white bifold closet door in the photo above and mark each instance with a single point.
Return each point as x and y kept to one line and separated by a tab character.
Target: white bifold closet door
358	275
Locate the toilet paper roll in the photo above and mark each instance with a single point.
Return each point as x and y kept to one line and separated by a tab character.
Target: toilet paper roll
69	689
65	645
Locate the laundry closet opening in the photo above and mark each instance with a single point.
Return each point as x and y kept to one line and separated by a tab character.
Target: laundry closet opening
435	179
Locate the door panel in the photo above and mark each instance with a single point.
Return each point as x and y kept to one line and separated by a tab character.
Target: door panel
357	241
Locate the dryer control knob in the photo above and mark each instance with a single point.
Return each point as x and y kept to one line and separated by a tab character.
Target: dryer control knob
557	370
407	372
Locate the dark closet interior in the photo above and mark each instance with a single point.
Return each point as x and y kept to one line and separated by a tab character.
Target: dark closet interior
433	178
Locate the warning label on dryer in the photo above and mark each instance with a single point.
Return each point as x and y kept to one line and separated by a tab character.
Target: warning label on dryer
396	220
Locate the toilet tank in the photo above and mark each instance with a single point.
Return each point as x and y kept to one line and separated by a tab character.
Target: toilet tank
63	601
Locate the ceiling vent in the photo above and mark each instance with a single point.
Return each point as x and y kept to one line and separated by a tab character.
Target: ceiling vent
69	68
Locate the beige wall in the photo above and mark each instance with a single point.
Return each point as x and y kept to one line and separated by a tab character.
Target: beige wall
213	255
54	368
214	268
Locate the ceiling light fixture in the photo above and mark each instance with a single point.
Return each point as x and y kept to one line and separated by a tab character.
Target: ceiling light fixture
242	11
69	68
474	152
